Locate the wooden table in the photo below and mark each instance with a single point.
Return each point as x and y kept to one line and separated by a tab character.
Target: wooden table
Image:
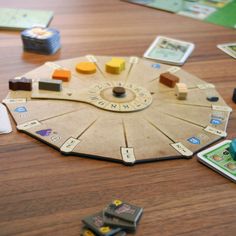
45	193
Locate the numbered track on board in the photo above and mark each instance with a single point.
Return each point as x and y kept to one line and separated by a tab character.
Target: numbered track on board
148	123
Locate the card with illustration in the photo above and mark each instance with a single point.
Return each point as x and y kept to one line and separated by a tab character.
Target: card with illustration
229	48
168	50
219	159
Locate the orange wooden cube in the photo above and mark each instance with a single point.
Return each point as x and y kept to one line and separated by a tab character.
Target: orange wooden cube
61	74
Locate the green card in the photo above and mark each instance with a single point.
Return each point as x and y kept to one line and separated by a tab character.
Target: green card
19	19
218	158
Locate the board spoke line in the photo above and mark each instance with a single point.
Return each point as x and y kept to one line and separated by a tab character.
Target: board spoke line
188	104
86	129
125	133
157	128
66	113
179	118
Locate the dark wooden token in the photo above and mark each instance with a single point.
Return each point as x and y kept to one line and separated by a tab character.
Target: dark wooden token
119	91
212	98
20	84
234	96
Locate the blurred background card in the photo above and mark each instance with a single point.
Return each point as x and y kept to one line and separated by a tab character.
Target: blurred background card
19	19
229	48
168	50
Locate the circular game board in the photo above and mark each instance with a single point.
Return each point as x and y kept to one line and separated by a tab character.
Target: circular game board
129	117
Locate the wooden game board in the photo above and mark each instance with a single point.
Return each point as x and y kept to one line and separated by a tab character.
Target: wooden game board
147	124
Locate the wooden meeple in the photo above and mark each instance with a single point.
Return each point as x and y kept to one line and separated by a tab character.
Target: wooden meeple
128	117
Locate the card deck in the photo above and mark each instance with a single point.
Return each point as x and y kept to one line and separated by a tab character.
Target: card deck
96	224
124	211
168	50
115	222
219	159
229	48
41	40
5	125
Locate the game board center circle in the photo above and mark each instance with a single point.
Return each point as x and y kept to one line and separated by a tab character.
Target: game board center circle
108	95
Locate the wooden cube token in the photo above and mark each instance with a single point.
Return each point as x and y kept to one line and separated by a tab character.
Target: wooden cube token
49	84
115	66
181	91
21	83
232	149
61	74
86	68
168	79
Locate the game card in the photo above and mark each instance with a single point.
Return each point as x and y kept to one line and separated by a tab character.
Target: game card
229	48
5	125
219	159
168	50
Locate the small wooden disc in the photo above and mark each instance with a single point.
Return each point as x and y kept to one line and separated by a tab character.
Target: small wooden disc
86	68
119	91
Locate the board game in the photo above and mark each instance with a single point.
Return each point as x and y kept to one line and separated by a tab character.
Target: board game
142	120
220	12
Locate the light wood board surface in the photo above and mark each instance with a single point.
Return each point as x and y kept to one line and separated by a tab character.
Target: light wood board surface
44	193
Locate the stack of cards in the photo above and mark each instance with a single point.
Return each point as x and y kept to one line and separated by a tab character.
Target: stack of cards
41	40
229	48
115	219
170	51
5	125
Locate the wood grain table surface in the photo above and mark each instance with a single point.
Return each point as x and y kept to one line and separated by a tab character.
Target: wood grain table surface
45	193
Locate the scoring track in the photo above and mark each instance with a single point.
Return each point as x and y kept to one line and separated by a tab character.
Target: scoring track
91	117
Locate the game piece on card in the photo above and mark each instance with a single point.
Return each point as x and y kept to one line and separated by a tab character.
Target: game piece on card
96	224
41	40
213	98
86	67
168	79
220	159
232	149
124	211
234	96
228	48
49	84
116	222
115	66
168	50
5	124
20	83
61	74
181	91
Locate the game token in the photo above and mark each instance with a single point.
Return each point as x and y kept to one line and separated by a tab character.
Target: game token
61	74
234	96
124	211
96	224
168	79
86	67
181	91
20	83
232	149
115	66
116	222
212	98
49	84
41	40
87	232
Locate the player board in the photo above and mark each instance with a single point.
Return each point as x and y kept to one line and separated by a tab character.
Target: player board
148	123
